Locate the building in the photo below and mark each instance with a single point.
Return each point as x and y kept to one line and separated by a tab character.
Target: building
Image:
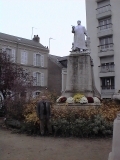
54	74
103	25
57	71
31	55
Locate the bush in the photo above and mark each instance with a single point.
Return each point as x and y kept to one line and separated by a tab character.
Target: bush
73	121
96	126
15	108
85	122
30	128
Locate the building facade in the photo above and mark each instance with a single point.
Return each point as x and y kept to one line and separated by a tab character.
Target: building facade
29	54
103	25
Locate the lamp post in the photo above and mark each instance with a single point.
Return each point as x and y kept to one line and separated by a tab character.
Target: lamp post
32	31
49	43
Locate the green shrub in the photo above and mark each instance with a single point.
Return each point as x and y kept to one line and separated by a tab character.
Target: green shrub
81	127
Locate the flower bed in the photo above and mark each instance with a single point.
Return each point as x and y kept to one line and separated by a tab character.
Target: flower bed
78	98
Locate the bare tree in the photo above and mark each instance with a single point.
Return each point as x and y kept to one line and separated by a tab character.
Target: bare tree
13	77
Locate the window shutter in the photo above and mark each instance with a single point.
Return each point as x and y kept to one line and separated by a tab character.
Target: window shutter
34	59
34	78
3	49
42	79
42	60
26	57
13	56
22	57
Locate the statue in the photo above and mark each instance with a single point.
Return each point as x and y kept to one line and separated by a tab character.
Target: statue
79	37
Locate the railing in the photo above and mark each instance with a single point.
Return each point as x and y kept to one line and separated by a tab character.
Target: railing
103	9
104	27
108	87
106	47
107	68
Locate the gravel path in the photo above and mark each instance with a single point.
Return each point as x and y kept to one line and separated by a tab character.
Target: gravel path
22	147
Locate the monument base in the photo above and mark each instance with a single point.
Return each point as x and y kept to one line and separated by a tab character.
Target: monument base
79	74
78	105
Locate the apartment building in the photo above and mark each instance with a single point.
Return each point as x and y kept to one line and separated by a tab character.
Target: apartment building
103	25
31	55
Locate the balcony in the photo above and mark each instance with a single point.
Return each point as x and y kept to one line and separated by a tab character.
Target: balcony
108	87
106	50
107	71
104	11
107	91
104	30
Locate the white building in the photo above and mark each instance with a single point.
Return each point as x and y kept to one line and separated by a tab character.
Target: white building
103	25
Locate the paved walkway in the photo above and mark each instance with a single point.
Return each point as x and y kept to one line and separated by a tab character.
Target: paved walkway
22	147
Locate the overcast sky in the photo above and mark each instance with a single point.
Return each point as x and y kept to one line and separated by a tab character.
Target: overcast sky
50	18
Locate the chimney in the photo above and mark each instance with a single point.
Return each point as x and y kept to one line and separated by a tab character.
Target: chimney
36	38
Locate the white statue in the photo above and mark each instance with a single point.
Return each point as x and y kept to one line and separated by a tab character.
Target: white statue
79	37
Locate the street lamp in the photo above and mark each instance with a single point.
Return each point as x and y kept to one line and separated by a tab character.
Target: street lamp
32	31
49	43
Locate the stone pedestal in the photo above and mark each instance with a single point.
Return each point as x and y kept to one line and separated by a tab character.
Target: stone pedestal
115	154
79	74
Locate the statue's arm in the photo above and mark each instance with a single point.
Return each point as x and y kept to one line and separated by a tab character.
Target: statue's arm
73	29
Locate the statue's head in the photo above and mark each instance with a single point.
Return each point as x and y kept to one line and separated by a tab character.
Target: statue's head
78	22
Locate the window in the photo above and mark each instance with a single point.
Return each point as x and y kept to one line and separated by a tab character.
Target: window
38	79
107	67
108	83
103	6
106	43
105	23
24	57
106	40
103	3
10	53
38	60
36	93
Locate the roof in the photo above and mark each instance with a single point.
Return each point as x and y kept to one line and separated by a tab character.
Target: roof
20	40
58	60
62	58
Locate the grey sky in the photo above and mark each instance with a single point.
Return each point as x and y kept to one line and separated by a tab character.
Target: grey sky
52	18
